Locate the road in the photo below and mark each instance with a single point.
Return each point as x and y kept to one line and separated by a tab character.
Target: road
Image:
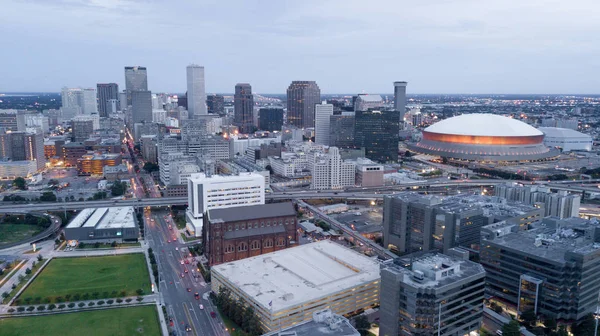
181	305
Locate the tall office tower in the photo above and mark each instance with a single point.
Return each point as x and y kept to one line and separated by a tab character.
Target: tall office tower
323	113
10	120
136	79
243	102
432	294
215	104
141	106
23	146
196	93
89	101
329	171
341	130
400	99
107	94
270	119
550	269
364	102
81	129
78	101
377	132
302	96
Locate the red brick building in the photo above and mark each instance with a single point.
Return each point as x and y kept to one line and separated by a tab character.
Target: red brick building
236	233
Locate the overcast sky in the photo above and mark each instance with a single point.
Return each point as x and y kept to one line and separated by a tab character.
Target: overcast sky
347	46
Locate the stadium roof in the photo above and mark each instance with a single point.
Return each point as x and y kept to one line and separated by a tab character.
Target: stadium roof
480	124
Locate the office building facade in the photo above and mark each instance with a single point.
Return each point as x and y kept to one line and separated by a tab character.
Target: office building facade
215	104
23	146
108	94
302	96
377	132
196	91
323	113
329	171
270	119
341	130
432	294
141	106
400	99
81	129
136	79
243	102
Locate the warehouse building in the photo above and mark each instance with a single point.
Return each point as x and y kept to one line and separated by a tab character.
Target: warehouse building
566	139
286	287
103	224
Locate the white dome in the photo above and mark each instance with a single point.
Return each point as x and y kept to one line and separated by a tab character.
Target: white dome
480	124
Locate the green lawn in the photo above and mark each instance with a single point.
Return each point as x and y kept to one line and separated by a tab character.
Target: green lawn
89	275
119	321
10	233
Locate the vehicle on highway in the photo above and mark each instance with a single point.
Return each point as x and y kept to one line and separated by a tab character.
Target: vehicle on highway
197	296
168	240
181	262
201	307
176	248
189	289
188	328
187	262
185	270
182	275
213	315
171	321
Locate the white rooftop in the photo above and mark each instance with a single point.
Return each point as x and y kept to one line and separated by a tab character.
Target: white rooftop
563	132
482	124
370	97
299	274
104	218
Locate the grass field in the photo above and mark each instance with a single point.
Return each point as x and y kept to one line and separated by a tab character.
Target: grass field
10	233
104	276
119	321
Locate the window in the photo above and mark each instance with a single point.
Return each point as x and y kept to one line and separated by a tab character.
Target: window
229	228
237	227
280	241
262	224
268	243
242	247
255	225
255	245
268	223
229	248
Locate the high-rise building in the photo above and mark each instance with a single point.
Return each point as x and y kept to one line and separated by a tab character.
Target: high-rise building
136	79
270	119
550	269
341	130
329	171
215	104
432	294
78	101
377	132
23	146
108	94
141	106
196	94
561	204
243	102
10	120
323	113
400	99
302	96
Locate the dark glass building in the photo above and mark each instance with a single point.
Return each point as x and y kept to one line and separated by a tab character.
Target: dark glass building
243	104
136	79
106	94
215	104
302	96
377	131
341	129
270	119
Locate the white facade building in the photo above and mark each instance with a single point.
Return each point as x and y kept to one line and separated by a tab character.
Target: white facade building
330	172
214	192
78	101
95	118
366	101
159	116
323	112
196	93
566	139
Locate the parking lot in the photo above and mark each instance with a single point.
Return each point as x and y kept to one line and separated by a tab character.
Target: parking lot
362	218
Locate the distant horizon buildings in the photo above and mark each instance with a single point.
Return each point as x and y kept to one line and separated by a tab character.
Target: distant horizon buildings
243	102
302	96
196	92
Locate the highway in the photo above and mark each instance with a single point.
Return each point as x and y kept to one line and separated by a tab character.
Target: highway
182	306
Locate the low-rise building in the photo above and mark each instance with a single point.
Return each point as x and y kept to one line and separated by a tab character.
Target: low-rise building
323	323
93	163
286	287
368	173
103	224
9	170
237	233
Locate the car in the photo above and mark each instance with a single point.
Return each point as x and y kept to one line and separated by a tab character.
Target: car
181	262
201	307
171	321
213	314
185	270
187	261
189	289
182	275
168	241
177	249
188	328
197	296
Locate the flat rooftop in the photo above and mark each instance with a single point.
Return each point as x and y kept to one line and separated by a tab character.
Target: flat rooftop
334	326
252	212
299	274
104	218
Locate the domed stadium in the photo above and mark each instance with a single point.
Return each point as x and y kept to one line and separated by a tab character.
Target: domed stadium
483	137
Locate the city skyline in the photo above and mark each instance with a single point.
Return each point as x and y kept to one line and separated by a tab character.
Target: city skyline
458	47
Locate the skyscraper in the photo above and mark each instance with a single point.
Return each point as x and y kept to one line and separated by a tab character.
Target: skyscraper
196	93
23	146
243	102
106	94
341	129
78	101
323	112
136	79
377	131
302	96
400	98
215	104
270	119
141	106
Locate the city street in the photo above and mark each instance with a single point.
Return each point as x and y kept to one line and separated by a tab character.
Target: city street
181	304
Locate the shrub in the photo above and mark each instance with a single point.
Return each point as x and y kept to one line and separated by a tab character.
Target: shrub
41	308
52	306
37	299
101	302
123	294
81	304
27	300
140	291
110	301
85	296
11	310
61	306
139	299
76	297
20	309
30	308
59	299
71	305
128	300
95	295
47	299
91	304
105	295
68	297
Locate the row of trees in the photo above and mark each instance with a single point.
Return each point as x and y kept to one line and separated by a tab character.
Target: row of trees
74	297
238	312
47	196
53	306
153	265
586	327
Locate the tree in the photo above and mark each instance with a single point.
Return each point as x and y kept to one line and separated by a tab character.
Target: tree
20	183
550	323
528	317
81	304
39	257
362	323
99	195
48	196
512	328
113	244
562	331
118	188
53	182
52	306
5	295
28	271
150	167
71	305
585	327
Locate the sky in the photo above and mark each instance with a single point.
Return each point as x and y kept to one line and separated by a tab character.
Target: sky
347	46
